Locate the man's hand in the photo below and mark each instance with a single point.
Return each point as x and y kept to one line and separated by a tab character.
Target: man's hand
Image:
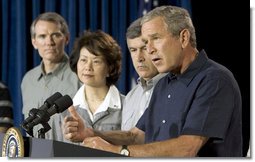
74	128
101	144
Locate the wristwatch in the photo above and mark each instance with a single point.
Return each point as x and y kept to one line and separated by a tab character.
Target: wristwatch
124	150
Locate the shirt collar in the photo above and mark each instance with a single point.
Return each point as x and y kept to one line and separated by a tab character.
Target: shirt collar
150	83
113	97
192	70
58	72
110	100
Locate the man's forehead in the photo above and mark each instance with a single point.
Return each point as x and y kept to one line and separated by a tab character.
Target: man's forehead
156	22
135	43
47	25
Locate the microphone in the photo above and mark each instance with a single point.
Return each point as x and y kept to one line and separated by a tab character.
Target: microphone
43	116
47	104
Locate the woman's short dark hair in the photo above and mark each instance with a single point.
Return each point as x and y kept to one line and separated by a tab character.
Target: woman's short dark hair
102	44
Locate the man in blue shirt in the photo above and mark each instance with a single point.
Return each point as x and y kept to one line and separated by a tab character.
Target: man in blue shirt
194	111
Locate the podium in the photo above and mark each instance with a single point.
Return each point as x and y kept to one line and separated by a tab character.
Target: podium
43	148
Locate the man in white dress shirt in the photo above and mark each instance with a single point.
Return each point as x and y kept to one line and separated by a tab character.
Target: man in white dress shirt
136	101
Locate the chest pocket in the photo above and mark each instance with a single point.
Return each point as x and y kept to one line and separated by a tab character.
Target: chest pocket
109	120
169	127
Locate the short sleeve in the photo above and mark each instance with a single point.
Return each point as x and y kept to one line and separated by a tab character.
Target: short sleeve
211	110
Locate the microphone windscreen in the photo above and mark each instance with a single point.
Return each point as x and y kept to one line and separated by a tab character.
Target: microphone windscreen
53	98
63	103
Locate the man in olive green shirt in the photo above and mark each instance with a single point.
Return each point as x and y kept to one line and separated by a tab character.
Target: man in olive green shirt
49	35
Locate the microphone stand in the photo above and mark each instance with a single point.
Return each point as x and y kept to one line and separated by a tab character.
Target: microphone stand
42	131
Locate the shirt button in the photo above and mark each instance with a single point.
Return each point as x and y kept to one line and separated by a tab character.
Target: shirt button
169	96
163	121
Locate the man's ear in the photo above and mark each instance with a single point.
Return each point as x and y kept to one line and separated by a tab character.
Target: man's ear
34	43
67	38
184	37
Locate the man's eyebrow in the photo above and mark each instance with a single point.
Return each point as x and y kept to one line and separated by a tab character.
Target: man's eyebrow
150	35
154	34
132	48
57	32
142	46
144	40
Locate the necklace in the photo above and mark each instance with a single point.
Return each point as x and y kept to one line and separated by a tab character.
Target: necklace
94	104
95	100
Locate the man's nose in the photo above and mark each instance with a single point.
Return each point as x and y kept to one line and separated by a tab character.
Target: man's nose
49	40
140	56
150	48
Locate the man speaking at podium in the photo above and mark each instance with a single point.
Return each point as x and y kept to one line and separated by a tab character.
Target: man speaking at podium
195	110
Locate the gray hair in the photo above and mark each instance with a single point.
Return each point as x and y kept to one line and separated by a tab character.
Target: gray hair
51	17
176	19
134	30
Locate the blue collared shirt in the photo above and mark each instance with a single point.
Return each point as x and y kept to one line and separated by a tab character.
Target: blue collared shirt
205	100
